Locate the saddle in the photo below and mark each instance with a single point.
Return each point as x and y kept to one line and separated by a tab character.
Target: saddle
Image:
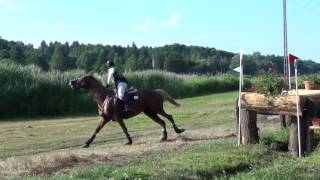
131	94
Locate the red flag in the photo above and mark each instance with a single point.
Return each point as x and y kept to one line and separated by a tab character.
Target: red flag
291	58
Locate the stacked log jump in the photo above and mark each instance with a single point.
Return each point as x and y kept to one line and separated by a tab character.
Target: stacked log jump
285	105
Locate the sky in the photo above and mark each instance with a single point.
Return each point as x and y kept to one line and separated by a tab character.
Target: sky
254	25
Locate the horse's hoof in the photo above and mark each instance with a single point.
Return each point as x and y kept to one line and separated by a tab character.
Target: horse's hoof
180	131
85	146
129	143
163	140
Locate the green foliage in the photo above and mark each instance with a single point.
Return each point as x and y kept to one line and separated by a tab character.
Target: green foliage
270	138
17	54
270	84
182	85
87	60
177	58
59	60
39	59
28	91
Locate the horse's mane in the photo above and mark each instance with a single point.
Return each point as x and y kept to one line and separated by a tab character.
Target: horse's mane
96	77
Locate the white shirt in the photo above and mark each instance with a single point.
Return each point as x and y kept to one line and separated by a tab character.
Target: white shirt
110	74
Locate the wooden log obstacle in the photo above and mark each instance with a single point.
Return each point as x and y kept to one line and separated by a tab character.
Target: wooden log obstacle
285	105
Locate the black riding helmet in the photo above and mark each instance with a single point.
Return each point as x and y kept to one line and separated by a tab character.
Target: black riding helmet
109	64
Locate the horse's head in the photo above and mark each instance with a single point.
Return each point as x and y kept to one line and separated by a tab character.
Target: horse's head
87	82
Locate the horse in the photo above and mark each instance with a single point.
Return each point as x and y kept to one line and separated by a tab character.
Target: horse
150	102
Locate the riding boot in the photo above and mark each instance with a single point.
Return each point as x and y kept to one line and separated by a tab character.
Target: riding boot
127	107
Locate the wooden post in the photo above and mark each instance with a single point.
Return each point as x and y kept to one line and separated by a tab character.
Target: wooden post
293	135
310	134
248	130
283	121
293	145
237	118
310	141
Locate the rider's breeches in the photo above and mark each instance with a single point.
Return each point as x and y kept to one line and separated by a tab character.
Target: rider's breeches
122	86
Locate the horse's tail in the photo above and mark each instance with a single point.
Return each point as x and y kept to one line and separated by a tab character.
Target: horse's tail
166	97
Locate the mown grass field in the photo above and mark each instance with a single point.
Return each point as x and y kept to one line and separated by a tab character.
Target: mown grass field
50	149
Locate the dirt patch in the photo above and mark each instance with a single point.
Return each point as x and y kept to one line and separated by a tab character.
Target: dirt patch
64	161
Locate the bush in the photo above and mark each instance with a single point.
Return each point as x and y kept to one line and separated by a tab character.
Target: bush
270	84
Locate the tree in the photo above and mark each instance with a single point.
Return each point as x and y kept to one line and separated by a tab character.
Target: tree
39	59
144	59
4	54
223	65
175	63
59	59
99	65
43	45
158	59
235	62
86	60
17	54
131	63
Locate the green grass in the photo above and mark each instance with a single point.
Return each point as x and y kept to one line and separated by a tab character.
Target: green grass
196	154
47	134
201	161
220	160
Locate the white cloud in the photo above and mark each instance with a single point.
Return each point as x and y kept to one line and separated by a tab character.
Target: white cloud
173	21
146	26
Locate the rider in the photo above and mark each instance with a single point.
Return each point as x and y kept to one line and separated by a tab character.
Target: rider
120	82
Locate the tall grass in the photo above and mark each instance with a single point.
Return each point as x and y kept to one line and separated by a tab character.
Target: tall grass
183	85
28	91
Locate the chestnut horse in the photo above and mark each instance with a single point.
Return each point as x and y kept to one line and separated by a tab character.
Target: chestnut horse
148	101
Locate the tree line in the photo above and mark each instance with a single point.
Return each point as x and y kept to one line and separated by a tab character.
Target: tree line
176	58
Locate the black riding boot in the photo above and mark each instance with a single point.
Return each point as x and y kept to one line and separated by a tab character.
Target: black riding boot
127	107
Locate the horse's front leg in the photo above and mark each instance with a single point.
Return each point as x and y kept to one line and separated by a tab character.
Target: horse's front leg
100	125
125	130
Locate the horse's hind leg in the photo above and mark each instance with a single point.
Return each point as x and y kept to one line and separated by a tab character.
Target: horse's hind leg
170	118
157	119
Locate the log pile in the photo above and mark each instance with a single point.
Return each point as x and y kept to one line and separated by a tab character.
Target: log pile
254	103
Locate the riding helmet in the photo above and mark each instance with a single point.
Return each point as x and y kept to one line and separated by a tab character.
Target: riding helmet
109	64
